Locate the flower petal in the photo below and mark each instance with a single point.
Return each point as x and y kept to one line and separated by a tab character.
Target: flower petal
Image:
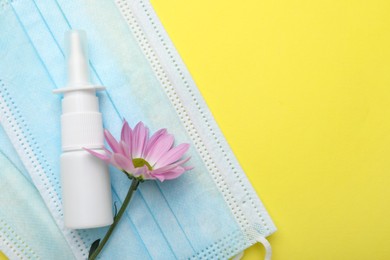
160	147
140	171
146	175
172	155
122	162
172	174
169	167
189	168
112	142
126	133
102	156
125	149
155	137
139	140
158	177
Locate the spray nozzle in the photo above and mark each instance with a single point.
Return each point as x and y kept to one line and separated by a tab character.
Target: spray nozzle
77	63
77	58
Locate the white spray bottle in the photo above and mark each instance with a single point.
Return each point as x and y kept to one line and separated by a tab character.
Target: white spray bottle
86	189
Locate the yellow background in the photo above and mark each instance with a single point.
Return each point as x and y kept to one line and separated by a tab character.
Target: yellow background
301	90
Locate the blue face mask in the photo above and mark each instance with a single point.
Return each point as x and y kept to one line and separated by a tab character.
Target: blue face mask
23	214
211	212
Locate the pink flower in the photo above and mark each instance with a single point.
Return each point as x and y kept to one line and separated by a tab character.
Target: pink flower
142	157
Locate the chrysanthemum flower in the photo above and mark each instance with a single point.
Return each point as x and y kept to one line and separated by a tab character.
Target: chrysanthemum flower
142	157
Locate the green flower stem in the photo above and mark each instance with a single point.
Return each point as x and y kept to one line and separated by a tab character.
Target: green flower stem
122	210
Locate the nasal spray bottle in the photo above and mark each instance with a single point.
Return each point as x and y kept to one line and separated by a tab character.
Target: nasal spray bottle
86	189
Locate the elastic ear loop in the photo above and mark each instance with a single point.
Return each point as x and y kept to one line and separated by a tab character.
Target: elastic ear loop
267	246
262	240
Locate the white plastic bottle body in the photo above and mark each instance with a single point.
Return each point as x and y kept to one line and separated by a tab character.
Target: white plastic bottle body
86	190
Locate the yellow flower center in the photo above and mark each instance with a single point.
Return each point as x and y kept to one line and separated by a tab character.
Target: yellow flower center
139	162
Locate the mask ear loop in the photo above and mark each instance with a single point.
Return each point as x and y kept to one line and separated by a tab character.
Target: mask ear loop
267	246
260	239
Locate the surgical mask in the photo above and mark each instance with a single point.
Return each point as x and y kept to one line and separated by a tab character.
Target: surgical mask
19	229
7	150
210	212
